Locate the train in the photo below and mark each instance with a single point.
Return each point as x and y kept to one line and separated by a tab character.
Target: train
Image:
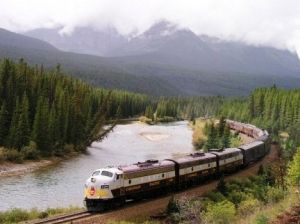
112	186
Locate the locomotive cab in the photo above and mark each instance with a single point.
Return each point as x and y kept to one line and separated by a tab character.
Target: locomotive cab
102	183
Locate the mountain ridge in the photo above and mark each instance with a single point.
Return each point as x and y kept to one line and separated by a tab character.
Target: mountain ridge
139	74
166	43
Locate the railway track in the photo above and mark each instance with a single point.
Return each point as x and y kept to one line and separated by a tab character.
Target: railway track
148	207
64	218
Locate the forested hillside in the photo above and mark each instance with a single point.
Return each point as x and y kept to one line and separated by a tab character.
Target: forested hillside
47	113
270	108
184	108
275	189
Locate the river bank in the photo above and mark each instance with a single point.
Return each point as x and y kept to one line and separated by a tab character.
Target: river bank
9	168
61	184
12	169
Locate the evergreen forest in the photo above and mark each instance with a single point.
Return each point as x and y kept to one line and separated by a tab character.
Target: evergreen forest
49	113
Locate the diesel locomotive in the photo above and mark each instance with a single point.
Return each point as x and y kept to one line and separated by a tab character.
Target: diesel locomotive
114	185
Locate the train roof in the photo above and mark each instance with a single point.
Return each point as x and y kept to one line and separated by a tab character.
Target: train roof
194	157
224	151
251	145
146	165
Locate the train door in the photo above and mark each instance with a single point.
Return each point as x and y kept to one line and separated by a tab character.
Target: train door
119	183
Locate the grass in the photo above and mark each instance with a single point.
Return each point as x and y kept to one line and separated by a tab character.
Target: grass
198	130
270	211
17	215
235	141
157	120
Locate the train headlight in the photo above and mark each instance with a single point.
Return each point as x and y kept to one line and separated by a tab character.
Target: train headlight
104	186
93	180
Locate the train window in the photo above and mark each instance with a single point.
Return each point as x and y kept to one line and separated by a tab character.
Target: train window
106	173
96	173
163	175
129	181
118	176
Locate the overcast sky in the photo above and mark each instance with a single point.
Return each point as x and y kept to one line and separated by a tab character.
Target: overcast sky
267	22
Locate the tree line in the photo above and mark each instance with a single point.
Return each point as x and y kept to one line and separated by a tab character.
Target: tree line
184	108
271	108
218	135
50	113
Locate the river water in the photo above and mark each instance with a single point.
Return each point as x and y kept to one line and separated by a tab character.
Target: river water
62	184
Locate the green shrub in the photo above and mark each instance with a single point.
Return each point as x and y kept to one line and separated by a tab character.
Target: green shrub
261	219
248	206
222	186
69	148
215	196
146	120
294	170
13	155
166	119
43	215
30	152
275	194
236	197
2	155
173	206
222	212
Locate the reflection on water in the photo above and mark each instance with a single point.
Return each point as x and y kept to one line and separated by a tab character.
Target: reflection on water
62	184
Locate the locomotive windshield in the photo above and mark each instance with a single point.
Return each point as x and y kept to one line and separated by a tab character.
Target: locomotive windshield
96	173
106	173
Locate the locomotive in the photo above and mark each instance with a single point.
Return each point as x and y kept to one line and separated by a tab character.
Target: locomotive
114	185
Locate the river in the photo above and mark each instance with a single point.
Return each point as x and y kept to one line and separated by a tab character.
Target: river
61	184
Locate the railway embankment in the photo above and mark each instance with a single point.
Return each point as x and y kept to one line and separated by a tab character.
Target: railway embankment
144	210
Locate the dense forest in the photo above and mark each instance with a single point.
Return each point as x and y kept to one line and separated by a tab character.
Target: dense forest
45	112
48	113
277	110
163	109
275	189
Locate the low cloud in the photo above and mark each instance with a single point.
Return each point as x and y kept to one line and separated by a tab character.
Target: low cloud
259	22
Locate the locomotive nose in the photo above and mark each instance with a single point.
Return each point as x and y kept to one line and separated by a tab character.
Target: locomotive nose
92	190
96	188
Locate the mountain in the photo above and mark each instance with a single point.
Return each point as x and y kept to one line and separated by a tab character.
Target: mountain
11	39
99	71
142	73
83	40
166	44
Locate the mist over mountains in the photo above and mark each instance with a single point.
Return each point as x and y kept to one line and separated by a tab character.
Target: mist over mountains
164	60
165	43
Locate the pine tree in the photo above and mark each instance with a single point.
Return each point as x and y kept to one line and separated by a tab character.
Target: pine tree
251	106
222	124
119	113
212	138
4	122
221	187
149	112
11	141
23	128
26	95
40	133
226	138
53	128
